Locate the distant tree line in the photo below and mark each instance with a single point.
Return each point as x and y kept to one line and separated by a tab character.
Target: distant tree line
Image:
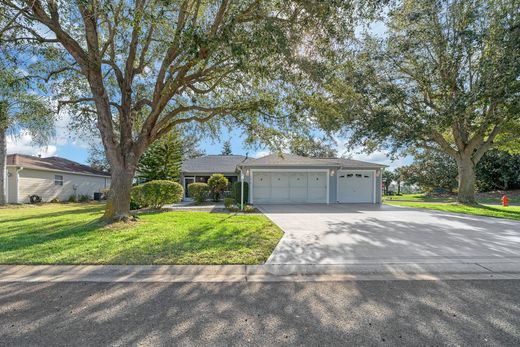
431	171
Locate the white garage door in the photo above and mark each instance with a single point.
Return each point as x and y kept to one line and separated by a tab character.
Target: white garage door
289	187
356	186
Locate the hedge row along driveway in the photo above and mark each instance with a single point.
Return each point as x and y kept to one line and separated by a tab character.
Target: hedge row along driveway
72	234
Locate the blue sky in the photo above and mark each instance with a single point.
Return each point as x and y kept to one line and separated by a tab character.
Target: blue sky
68	145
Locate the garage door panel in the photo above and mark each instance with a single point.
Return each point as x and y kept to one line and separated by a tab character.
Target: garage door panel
356	186
262	179
298	194
290	187
280	180
317	195
318	179
298	179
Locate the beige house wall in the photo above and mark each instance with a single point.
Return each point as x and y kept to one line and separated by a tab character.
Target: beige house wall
42	183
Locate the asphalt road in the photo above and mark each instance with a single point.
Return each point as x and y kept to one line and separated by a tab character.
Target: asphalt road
386	313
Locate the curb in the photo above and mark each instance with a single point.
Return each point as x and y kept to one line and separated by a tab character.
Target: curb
260	273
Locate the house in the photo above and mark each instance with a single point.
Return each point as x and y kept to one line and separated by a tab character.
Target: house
292	179
200	169
51	178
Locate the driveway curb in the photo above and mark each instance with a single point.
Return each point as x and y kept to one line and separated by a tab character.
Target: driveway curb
259	273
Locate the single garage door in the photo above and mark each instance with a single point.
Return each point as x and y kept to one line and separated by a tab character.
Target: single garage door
289	187
356	186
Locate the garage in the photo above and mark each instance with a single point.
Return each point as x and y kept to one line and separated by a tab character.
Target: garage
356	186
289	186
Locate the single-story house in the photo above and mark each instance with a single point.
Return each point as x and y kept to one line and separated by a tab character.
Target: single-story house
287	178
200	169
51	178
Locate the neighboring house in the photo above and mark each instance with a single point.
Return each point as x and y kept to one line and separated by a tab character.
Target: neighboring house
287	179
200	169
51	178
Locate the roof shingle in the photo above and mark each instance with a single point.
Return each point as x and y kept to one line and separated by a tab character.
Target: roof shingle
212	164
52	163
296	160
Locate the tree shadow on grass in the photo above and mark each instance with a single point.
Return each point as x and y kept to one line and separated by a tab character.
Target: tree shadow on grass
91	210
19	238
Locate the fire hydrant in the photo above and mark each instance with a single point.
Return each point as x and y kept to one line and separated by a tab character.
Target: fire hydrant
505	201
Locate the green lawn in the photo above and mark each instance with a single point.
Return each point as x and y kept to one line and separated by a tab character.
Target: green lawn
511	212
452	198
72	234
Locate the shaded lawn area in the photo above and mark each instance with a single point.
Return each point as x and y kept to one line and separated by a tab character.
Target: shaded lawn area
511	212
481	198
72	234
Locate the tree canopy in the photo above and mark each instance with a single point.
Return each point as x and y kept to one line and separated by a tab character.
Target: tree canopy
21	112
139	68
445	76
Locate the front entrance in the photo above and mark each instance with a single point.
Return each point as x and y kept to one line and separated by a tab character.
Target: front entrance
187	182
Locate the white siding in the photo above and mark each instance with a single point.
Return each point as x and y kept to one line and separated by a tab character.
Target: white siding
41	183
12	191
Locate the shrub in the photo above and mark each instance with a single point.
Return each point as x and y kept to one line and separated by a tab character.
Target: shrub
228	202
236	192
218	183
248	209
72	198
157	193
84	198
199	192
54	201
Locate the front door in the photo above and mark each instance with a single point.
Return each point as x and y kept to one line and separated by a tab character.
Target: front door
187	182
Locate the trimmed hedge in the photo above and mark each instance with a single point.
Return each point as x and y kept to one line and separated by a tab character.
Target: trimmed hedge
199	192
157	193
236	192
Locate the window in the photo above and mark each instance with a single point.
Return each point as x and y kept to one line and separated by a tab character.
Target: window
58	180
359	175
350	175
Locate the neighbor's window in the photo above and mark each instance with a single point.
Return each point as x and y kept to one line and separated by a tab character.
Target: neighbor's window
58	180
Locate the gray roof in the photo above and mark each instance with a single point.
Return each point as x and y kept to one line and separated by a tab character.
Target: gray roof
296	160
212	164
52	163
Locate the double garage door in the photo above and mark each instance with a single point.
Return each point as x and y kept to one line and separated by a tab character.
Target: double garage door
273	187
289	187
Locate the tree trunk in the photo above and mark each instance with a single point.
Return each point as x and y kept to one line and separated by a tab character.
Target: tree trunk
3	166
118	202
467	178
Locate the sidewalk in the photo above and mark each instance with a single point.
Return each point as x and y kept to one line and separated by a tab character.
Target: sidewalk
258	273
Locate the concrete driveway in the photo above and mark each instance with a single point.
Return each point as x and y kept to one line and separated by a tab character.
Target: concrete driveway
360	234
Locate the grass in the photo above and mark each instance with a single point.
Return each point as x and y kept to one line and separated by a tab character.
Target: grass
448	198
511	212
72	234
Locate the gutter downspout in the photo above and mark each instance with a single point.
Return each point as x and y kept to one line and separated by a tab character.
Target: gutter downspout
17	180
241	190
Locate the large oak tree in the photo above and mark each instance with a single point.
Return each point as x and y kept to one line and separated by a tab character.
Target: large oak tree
445	76
140	68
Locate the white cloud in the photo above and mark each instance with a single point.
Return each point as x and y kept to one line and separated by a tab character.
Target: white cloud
378	157
381	157
260	154
25	145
